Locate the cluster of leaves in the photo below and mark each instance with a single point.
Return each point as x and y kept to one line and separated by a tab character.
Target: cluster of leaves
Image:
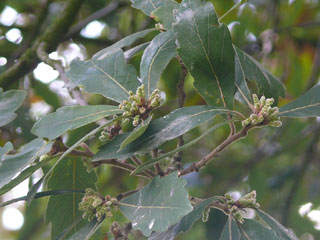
192	32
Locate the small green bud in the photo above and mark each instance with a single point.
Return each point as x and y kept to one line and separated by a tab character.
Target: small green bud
270	101
262	101
255	99
154	93
142	110
276	123
136	120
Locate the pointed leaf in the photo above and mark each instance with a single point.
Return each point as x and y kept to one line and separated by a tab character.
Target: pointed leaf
252	229
23	175
206	49
230	230
11	165
267	84
67	118
159	131
164	14
10	101
147	6
308	105
280	230
111	76
62	210
155	59
137	132
158	205
124	42
184	224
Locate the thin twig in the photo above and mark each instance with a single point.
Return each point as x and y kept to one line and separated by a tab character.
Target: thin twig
118	164
205	160
126	194
94	16
53	35
34	31
139	163
56	64
157	165
181	98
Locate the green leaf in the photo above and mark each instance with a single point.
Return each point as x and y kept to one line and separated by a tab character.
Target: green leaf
62	210
206	49
268	85
5	149
42	89
131	52
10	101
158	205
280	230
11	165
241	83
111	76
125	42
164	14
23	175
148	6
137	132
36	186
86	231
252	229
230	230
42	194
67	118
184	224
307	105
159	131
151	162
155	59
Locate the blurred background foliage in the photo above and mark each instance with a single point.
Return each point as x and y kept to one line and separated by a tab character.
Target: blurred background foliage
283	164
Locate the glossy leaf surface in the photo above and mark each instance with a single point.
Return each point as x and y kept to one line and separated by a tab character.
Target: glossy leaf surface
159	131
137	132
62	210
267	84
158	205
67	118
155	58
230	230
308	105
11	165
164	14
10	101
184	224
110	76
206	49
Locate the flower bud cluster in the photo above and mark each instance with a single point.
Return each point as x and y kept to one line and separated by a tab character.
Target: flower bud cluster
136	108
263	113
95	206
246	201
